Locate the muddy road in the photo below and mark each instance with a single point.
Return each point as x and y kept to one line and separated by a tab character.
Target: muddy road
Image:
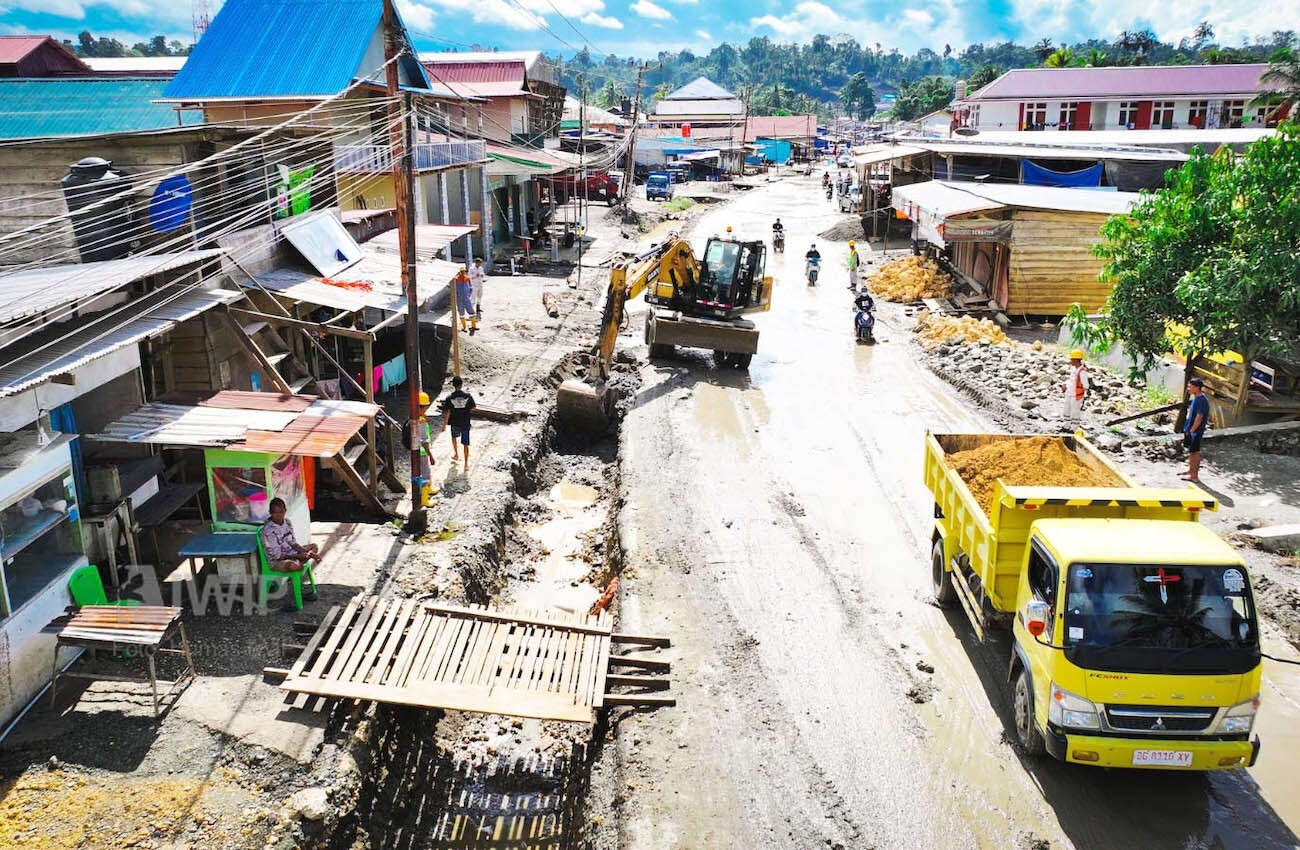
776	526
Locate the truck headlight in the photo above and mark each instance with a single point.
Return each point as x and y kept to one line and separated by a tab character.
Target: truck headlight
1240	718
1067	709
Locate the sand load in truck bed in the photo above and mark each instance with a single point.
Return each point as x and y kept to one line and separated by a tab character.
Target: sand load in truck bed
1025	462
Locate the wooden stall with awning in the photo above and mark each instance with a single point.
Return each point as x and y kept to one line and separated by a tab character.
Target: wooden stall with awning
1030	248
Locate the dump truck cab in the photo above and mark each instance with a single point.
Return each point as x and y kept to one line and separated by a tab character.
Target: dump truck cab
1136	644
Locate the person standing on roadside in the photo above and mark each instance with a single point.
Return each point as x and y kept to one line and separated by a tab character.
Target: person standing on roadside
1198	417
854	262
1076	387
457	407
465	301
476	278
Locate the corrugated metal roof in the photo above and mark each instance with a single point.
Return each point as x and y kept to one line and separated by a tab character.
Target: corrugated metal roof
1135	81
30	292
975	147
781	127
378	267
705	108
139	64
183	425
871	154
306	436
495	71
15	47
429	238
66	106
701	88
255	400
41	356
284	48
943	199
502	88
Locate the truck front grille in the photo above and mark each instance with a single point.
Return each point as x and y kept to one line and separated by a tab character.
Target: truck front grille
1159	718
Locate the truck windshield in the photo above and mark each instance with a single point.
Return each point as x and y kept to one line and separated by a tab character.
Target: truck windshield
1160	618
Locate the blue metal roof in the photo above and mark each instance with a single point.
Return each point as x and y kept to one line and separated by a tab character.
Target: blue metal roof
287	48
82	107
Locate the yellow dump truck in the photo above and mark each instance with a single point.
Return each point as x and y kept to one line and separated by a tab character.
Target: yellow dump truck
1134	640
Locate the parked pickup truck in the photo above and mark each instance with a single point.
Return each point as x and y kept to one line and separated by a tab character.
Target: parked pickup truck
659	185
1134	641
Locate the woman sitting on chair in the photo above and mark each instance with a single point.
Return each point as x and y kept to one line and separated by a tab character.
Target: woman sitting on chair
283	551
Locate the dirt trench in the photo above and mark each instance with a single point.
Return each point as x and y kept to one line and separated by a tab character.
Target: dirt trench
429	779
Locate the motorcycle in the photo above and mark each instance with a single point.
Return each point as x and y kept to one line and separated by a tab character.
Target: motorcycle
812	268
830	191
778	241
864	319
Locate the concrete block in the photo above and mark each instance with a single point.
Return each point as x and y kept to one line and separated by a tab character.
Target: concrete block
1275	538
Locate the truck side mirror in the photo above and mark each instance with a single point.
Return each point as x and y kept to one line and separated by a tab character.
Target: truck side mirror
1036	614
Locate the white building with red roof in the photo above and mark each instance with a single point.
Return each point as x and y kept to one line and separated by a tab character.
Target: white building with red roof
1143	97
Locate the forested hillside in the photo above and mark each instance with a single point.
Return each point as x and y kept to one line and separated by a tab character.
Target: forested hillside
822	76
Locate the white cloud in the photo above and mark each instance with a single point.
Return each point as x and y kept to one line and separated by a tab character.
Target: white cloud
919	17
495	12
804	21
704	34
415	15
646	9
60	8
606	21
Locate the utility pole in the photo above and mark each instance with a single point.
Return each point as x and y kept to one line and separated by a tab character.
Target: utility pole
629	171
399	116
582	165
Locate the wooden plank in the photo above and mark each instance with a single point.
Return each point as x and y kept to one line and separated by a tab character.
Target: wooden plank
586	677
401	625
657	682
389	625
563	621
424	626
642	663
354	647
546	664
620	637
326	625
434	664
655	700
326	656
492	662
601	673
546	706
476	656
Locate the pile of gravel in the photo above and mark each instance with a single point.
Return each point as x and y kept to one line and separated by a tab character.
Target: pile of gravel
849	228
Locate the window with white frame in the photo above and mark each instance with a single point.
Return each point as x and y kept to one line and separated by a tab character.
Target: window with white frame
1197	112
1128	112
973	118
1162	114
1233	110
1069	114
1035	114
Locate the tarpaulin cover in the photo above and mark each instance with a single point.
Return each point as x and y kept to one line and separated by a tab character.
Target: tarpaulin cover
1036	175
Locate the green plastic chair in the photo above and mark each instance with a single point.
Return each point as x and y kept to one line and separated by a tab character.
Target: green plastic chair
272	578
87	588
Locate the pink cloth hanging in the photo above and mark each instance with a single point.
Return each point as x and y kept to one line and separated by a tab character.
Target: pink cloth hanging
376	378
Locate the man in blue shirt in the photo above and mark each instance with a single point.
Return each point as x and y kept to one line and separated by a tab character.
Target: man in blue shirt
1198	416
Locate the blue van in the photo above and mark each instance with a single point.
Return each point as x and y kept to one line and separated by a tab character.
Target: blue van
659	185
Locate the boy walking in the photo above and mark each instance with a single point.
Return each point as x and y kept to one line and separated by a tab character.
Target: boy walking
457	407
465	300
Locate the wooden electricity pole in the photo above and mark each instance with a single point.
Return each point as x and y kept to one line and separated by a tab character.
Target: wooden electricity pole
399	116
629	171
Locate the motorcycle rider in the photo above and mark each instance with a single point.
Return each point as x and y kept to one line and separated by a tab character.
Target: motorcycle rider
826	179
778	235
812	261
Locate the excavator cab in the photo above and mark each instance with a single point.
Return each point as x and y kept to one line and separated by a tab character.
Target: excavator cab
732	279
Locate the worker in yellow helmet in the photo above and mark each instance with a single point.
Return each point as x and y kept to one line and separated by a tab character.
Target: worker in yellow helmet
853	265
1076	387
417	435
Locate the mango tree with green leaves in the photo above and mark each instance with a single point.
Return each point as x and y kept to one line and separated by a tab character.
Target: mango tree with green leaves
1211	262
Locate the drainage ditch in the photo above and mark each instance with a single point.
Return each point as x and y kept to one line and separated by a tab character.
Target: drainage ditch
428	779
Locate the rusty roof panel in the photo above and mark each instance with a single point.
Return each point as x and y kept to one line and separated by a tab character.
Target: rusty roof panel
310	436
243	399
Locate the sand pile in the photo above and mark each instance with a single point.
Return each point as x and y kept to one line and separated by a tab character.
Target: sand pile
935	329
910	279
1025	462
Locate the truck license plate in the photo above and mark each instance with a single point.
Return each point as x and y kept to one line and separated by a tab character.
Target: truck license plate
1162	758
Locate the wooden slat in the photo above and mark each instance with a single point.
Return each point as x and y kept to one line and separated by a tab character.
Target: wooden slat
576	624
321	631
374	668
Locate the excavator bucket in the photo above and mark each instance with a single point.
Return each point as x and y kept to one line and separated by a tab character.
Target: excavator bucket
583	408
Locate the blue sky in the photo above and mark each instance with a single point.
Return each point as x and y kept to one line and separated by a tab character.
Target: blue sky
644	27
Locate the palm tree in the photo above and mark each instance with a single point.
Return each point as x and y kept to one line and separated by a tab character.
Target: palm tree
1283	80
1097	58
1062	58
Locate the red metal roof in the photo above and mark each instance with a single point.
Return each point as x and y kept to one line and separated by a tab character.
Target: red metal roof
15	47
1140	81
477	72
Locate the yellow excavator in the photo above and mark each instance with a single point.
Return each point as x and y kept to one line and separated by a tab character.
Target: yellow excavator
693	303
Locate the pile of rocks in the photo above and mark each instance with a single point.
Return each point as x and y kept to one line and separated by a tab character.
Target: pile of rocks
1030	378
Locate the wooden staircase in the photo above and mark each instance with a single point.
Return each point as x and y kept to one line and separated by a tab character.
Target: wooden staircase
366	461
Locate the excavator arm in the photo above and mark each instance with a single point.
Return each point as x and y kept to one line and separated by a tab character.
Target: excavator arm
666	267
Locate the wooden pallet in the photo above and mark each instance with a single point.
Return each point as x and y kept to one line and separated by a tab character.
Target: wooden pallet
523	663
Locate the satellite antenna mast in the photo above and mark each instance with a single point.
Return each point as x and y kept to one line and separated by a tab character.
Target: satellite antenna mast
202	17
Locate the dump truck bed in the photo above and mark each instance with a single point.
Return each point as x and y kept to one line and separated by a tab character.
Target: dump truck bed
994	542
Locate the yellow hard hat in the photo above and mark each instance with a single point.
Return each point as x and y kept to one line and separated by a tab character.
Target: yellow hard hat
424	399
1076	354
852	244
728	228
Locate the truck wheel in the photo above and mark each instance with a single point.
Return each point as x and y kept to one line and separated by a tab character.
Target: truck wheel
1022	707
741	361
944	593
